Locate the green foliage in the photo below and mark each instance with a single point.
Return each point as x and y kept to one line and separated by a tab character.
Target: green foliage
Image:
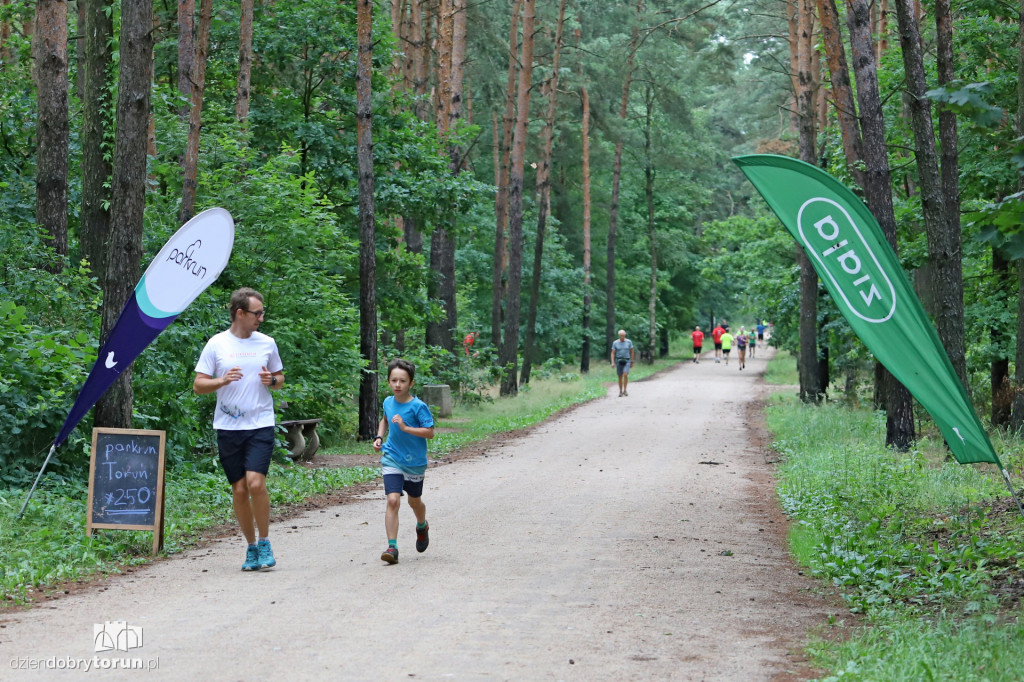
970	101
909	539
291	247
45	347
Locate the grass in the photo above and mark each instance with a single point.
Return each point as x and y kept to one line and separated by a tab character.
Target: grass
929	551
49	545
782	369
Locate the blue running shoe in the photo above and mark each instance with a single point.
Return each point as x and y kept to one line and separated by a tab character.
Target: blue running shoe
422	537
266	555
252	559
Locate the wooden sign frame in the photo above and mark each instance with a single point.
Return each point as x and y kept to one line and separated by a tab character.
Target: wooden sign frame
158	509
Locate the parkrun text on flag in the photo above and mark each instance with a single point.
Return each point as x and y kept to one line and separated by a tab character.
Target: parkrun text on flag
862	273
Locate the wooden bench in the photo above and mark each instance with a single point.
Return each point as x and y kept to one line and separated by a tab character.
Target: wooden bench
303	440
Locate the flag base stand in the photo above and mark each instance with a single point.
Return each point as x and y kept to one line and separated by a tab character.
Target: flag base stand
53	448
1009	485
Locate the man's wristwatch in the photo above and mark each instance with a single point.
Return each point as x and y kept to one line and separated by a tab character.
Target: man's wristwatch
273	380
378	438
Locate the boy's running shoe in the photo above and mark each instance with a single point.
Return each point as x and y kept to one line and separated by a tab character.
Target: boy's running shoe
266	555
252	559
422	537
390	555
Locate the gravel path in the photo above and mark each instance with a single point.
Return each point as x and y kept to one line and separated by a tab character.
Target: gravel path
633	538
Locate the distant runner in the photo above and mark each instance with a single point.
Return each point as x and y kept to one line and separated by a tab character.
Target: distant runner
726	340
698	343
622	358
741	347
716	336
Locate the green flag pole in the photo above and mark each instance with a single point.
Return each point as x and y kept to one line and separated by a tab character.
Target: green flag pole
1009	486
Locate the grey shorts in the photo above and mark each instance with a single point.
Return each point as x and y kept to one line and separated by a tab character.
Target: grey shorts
622	366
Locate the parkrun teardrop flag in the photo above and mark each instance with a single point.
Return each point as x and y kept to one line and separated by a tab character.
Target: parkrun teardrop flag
188	263
862	273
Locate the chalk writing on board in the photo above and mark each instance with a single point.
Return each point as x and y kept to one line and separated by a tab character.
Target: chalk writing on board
126	478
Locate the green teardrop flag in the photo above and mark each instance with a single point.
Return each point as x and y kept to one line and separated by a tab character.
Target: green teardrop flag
864	277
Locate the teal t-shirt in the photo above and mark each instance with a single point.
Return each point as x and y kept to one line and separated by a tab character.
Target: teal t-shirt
402	450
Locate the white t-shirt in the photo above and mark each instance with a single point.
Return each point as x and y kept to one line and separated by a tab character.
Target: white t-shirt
244	404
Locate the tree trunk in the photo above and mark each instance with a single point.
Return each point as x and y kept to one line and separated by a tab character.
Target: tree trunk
190	163
649	176
882	31
842	93
613	209
585	355
50	49
1017	415
944	240
895	398
445	35
5	36
451	46
368	413
244	61
98	29
1002	390
417	82
543	202
510	343
811	389
186	46
500	272
128	199
455	88
420	31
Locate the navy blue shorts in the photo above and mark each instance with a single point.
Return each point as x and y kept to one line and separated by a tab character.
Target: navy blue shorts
396	483
242	451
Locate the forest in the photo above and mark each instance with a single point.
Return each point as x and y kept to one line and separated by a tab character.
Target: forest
403	174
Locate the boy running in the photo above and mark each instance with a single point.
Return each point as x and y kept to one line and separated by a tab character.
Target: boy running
404	461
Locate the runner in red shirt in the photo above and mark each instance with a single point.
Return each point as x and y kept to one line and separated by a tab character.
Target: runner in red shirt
716	336
467	342
698	343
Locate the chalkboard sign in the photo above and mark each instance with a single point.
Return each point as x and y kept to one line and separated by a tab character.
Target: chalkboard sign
126	481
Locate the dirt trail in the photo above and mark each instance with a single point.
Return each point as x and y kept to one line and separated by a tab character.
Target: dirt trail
634	538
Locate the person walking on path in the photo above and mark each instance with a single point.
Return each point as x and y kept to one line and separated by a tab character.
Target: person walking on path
741	347
242	366
760	330
408	425
698	343
623	356
752	342
726	341
716	336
